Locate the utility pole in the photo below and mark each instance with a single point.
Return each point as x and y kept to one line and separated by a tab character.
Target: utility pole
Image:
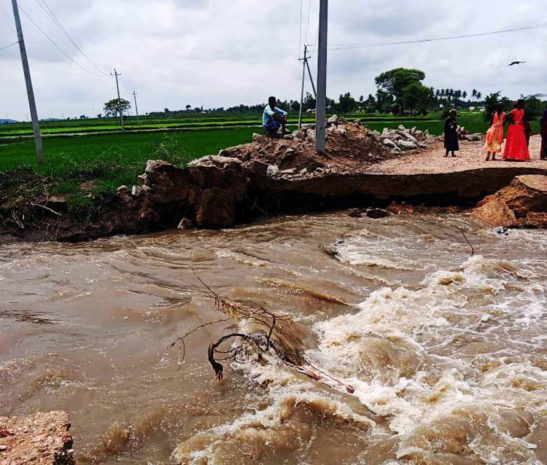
30	91
136	107
321	113
311	79
305	65
304	60
116	74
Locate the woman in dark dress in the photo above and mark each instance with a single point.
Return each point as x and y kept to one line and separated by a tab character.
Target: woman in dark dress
543	128
451	143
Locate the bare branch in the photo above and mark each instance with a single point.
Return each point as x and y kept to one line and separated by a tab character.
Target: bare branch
467	240
46	208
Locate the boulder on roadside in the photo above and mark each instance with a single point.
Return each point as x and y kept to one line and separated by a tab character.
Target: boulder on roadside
389	143
407	145
521	204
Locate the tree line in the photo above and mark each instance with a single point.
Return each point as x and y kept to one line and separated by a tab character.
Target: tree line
400	91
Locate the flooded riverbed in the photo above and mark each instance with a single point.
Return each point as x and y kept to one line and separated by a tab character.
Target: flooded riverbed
447	352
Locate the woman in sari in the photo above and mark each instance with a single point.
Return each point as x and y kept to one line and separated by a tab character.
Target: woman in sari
543	126
494	136
515	147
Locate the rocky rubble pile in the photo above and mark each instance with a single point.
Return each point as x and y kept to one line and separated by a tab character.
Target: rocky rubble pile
403	139
349	143
464	134
40	439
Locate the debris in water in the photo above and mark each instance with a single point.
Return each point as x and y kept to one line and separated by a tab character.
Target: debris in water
267	334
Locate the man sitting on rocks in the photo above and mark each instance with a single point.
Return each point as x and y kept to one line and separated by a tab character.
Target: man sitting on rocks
274	118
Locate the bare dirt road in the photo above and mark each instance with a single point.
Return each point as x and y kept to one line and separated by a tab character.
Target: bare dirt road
471	156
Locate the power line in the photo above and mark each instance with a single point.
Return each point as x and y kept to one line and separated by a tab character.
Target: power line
300	29
55	43
436	39
56	21
8	46
308	25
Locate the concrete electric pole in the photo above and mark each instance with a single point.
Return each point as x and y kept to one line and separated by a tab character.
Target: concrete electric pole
116	74
321	114
28	81
136	107
305	65
302	90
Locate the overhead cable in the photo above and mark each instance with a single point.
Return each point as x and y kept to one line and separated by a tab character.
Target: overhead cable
55	43
8	46
43	4
435	39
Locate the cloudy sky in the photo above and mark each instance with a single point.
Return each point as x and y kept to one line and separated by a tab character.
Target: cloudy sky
221	53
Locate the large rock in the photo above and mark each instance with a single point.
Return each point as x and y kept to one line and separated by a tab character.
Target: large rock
407	145
40	439
521	204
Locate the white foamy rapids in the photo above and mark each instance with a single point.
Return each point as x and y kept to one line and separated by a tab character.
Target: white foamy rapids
286	426
361	251
406	353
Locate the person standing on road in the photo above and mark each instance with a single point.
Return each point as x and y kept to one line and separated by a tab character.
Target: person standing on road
494	136
543	128
516	148
451	143
527	129
274	118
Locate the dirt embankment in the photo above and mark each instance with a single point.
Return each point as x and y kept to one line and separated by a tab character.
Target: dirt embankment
266	177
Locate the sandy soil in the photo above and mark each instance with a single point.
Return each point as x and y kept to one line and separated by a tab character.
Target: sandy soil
470	156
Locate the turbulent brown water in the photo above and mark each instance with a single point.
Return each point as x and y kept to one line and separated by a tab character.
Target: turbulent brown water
447	352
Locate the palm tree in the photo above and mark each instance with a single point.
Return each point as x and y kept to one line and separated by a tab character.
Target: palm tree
474	93
479	95
464	95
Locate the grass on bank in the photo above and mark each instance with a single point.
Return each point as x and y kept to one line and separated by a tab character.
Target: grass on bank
110	160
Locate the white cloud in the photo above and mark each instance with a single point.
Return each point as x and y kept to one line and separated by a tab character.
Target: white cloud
219	53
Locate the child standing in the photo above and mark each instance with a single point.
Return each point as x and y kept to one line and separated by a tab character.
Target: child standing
451	143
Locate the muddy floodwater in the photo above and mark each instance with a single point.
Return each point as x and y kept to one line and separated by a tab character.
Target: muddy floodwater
447	351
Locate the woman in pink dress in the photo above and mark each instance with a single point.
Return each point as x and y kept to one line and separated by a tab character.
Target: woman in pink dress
515	147
494	136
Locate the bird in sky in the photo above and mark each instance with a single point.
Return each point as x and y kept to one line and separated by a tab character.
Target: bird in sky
516	63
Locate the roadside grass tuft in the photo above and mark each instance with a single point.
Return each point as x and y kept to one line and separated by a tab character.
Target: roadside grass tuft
80	206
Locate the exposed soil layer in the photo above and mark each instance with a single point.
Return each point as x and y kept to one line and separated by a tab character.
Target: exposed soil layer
521	204
267	177
40	439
